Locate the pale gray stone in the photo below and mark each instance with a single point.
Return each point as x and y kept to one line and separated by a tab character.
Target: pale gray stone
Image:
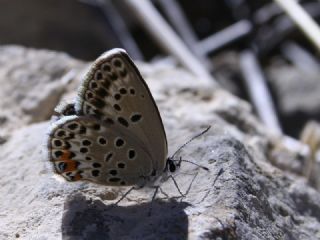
242	196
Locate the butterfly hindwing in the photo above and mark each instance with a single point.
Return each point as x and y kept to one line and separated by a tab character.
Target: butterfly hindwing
115	93
84	148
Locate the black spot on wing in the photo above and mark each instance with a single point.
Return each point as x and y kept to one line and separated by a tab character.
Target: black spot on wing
136	117
96	165
95	173
131	154
113	172
102	141
119	142
121	165
61	133
86	142
123	91
58	154
96	127
114	179
97	102
57	143
123	121
117	107
117	96
101	92
108	156
84	150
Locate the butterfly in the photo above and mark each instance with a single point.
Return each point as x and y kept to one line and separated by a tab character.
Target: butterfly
113	133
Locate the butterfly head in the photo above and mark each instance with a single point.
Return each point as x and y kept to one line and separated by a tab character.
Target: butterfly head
172	165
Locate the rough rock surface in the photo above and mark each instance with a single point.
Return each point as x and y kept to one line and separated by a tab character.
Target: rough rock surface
242	196
31	85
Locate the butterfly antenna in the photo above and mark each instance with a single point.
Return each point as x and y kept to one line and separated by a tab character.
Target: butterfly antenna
183	160
193	138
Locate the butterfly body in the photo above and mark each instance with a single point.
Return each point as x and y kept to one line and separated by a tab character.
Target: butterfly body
113	133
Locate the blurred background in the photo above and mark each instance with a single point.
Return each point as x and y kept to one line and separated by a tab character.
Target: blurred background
251	48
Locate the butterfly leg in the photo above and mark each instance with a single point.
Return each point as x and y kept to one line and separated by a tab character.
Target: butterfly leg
163	192
214	181
152	200
190	185
176	184
124	195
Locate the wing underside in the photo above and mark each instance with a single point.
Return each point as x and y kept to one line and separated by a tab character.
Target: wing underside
83	148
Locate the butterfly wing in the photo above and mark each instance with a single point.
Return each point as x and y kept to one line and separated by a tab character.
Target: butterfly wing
115	93
84	148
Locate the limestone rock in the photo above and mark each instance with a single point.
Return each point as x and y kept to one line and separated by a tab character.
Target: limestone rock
242	196
32	83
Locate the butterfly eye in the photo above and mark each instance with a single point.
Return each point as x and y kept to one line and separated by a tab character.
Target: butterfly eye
172	166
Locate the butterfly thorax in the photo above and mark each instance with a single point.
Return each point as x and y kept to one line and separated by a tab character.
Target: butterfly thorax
160	176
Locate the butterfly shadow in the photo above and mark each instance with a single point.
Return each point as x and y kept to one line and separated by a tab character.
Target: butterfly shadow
93	219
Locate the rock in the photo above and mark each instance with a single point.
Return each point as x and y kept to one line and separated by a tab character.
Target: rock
32	83
242	196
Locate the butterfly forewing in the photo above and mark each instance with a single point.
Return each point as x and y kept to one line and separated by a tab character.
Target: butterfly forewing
84	148
115	93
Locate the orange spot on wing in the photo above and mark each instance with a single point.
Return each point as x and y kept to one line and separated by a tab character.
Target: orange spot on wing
65	156
71	165
77	177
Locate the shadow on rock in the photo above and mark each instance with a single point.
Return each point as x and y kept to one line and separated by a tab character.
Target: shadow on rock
88	219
